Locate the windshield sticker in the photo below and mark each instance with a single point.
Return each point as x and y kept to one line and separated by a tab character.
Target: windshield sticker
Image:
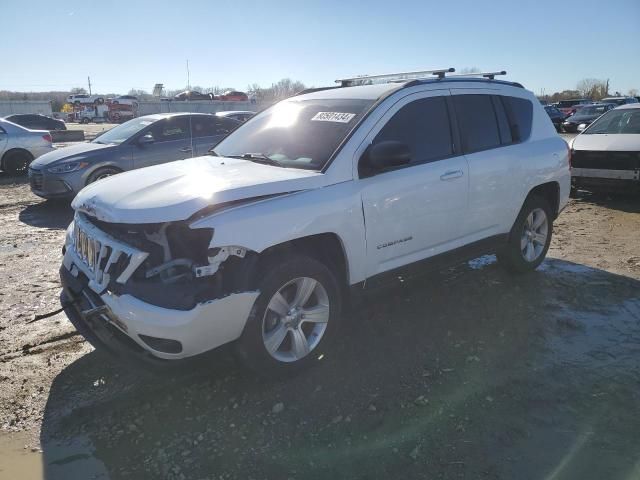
339	117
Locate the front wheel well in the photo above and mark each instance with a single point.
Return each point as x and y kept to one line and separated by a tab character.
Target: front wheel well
551	193
327	248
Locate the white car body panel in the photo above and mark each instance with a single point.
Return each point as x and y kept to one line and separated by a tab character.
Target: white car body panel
140	196
620	142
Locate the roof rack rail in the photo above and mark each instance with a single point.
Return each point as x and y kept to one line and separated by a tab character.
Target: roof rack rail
392	77
489	75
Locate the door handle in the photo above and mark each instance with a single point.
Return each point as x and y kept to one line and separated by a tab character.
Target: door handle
185	149
450	175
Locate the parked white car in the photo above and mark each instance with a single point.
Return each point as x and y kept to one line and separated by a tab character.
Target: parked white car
125	100
321	197
606	155
19	146
85	99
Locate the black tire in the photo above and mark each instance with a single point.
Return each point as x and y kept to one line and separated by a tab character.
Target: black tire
274	276
85	120
115	102
16	162
512	257
101	173
99	101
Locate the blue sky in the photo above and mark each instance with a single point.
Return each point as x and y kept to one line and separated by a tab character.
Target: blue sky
544	44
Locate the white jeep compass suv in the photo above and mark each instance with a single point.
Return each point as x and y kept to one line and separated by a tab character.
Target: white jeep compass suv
322	196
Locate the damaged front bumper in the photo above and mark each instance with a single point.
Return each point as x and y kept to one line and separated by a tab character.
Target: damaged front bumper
126	325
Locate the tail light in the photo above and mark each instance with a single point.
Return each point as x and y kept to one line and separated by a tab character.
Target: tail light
47	138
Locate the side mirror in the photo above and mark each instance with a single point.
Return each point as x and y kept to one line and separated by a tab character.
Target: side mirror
146	140
384	156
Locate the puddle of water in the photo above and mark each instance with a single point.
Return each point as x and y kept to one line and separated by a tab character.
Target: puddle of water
70	461
481	262
17	461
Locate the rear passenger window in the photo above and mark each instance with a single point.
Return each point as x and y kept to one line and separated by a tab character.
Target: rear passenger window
424	126
520	112
477	121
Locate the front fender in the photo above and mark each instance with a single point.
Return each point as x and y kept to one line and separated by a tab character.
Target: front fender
335	209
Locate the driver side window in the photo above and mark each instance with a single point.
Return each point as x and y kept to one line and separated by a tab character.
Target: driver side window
424	126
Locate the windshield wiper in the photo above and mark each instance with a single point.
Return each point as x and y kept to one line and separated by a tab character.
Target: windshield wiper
257	158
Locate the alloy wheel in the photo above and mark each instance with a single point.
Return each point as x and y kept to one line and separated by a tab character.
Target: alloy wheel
295	319
534	235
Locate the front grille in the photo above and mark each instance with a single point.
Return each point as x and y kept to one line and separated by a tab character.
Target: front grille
606	160
104	256
35	179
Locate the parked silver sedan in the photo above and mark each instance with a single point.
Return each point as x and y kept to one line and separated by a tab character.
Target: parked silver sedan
19	146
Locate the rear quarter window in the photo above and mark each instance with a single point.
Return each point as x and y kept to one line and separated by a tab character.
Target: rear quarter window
520	113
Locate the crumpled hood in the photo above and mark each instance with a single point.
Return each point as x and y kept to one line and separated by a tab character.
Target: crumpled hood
618	142
176	190
67	152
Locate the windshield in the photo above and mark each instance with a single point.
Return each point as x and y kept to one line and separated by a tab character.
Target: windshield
124	132
616	121
296	133
599	110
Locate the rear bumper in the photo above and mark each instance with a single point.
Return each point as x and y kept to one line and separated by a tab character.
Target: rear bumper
128	326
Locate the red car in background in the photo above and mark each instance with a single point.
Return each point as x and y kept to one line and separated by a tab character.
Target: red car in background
233	96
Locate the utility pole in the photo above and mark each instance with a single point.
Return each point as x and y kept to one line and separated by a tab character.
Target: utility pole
89	81
188	76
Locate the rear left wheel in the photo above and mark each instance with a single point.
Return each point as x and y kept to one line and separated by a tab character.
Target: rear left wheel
16	163
529	238
294	317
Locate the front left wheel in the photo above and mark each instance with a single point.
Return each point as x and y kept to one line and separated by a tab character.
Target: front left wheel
101	173
294	317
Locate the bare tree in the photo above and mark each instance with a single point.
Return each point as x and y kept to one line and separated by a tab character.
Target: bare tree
78	90
633	92
593	88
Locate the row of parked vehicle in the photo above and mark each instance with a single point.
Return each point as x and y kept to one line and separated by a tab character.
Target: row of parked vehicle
187	95
26	137
572	116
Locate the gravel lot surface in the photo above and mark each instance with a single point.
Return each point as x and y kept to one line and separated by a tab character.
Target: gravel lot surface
467	373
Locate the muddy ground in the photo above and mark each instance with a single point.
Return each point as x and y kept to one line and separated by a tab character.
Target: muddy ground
468	373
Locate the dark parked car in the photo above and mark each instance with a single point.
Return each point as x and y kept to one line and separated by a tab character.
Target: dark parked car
233	96
192	95
569	106
36	122
138	143
556	116
585	116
